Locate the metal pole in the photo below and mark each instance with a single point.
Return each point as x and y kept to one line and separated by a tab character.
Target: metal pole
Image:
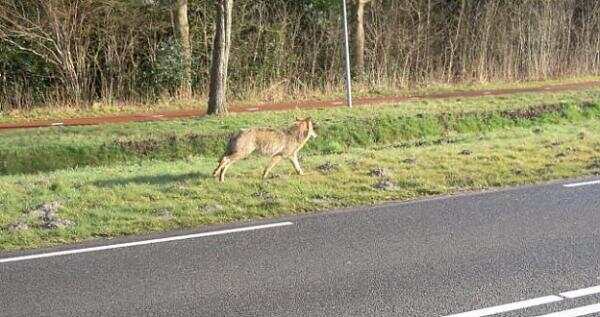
347	53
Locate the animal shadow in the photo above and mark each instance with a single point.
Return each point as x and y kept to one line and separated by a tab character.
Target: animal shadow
162	179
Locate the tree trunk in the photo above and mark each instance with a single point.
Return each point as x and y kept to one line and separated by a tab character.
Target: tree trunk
217	103
454	43
359	39
183	30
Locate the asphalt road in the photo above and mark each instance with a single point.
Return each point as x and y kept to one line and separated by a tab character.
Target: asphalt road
466	254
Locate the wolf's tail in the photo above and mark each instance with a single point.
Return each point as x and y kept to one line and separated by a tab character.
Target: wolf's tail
232	144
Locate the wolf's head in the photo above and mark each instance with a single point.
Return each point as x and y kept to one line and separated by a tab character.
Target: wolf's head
306	128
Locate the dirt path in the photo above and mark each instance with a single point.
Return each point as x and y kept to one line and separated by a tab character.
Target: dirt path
305	104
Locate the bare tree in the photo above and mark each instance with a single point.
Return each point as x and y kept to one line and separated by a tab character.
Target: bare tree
453	42
359	37
183	30
62	51
55	32
217	103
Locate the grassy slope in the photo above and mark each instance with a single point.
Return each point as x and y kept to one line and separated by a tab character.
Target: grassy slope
53	149
155	195
420	145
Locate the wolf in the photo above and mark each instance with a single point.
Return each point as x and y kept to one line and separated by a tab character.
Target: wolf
277	144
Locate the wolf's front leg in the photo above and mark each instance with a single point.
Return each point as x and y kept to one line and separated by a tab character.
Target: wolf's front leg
296	164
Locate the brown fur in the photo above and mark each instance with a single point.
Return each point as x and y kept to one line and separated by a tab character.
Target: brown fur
269	142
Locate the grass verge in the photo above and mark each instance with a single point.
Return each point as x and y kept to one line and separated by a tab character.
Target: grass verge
152	196
341	129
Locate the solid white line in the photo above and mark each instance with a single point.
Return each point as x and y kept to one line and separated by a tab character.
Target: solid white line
583	184
581	292
509	307
580	311
139	243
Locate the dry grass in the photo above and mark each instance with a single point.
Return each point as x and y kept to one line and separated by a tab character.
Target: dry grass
278	92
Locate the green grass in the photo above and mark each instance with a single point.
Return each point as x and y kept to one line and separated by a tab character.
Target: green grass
157	195
44	150
146	177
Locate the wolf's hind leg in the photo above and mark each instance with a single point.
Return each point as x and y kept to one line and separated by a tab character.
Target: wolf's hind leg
219	168
274	161
230	160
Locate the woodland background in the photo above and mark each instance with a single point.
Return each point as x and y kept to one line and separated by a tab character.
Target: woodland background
78	52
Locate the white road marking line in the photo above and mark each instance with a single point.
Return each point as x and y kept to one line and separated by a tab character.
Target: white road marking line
581	292
582	184
580	311
510	307
252	109
144	242
57	123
